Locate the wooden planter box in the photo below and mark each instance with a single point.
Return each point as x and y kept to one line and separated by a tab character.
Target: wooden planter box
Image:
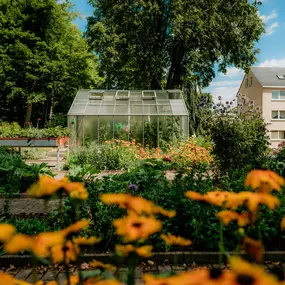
34	142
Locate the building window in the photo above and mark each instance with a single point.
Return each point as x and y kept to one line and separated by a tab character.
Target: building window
278	95
246	83
278	115
278	135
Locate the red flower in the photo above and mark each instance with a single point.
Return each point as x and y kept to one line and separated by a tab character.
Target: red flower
39	119
167	158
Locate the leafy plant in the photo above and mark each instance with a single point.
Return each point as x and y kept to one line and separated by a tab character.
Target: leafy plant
239	135
13	130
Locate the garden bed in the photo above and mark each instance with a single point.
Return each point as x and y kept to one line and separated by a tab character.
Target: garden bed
35	142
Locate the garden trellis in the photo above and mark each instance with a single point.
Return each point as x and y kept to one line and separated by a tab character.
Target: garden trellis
151	117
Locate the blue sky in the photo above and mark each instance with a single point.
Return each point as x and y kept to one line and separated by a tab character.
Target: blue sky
271	45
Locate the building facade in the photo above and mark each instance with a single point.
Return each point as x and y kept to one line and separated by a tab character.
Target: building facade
266	87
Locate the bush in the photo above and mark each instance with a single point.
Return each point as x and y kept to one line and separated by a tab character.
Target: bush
118	154
15	175
102	157
239	136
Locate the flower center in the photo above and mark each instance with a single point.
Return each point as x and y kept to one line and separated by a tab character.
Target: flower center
137	225
215	273
244	279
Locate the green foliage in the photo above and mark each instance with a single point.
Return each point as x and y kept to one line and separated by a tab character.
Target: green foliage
136	41
239	136
44	59
13	130
102	157
276	161
15	175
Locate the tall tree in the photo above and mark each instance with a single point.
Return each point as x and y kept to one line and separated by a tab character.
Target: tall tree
162	43
43	58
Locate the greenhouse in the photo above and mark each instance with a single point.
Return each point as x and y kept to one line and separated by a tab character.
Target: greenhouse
150	117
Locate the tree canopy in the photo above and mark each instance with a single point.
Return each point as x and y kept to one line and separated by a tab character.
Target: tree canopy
154	44
43	59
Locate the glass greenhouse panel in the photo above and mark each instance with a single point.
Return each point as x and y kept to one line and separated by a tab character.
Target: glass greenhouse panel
151	117
91	129
150	131
106	131
136	129
165	130
121	128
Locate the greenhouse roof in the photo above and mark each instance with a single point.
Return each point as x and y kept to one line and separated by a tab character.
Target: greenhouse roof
126	103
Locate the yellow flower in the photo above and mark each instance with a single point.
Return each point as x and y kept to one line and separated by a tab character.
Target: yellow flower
6	232
46	186
133	227
253	274
6	279
44	241
253	200
104	282
126	201
135	204
125	250
264	180
67	252
166	213
100	265
76	227
18	243
86	241
229	216
73	280
175	240
144	251
76	190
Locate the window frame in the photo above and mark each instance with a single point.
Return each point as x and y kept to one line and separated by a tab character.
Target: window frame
279	95
279	137
278	115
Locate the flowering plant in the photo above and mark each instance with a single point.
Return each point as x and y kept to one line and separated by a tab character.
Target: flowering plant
140	222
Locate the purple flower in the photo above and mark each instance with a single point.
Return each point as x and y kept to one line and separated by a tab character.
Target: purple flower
133	187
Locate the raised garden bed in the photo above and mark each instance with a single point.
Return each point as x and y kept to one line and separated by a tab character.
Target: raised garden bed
34	142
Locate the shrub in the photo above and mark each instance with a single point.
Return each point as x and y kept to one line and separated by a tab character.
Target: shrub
118	154
239	136
15	175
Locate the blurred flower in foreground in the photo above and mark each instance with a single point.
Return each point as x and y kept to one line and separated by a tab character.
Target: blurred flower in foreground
134	227
242	219
99	265
47	186
6	232
175	240
135	204
125	250
264	181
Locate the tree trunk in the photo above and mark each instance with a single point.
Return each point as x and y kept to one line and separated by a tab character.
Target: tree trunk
176	70
50	113
29	113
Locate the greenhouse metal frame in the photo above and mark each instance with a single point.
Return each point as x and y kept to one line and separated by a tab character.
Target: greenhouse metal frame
151	117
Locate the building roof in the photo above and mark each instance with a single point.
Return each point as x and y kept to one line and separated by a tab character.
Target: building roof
128	103
270	76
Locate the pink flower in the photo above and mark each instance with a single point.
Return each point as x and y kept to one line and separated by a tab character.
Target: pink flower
39	119
167	158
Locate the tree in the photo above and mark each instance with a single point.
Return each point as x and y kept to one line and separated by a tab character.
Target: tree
43	59
160	43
